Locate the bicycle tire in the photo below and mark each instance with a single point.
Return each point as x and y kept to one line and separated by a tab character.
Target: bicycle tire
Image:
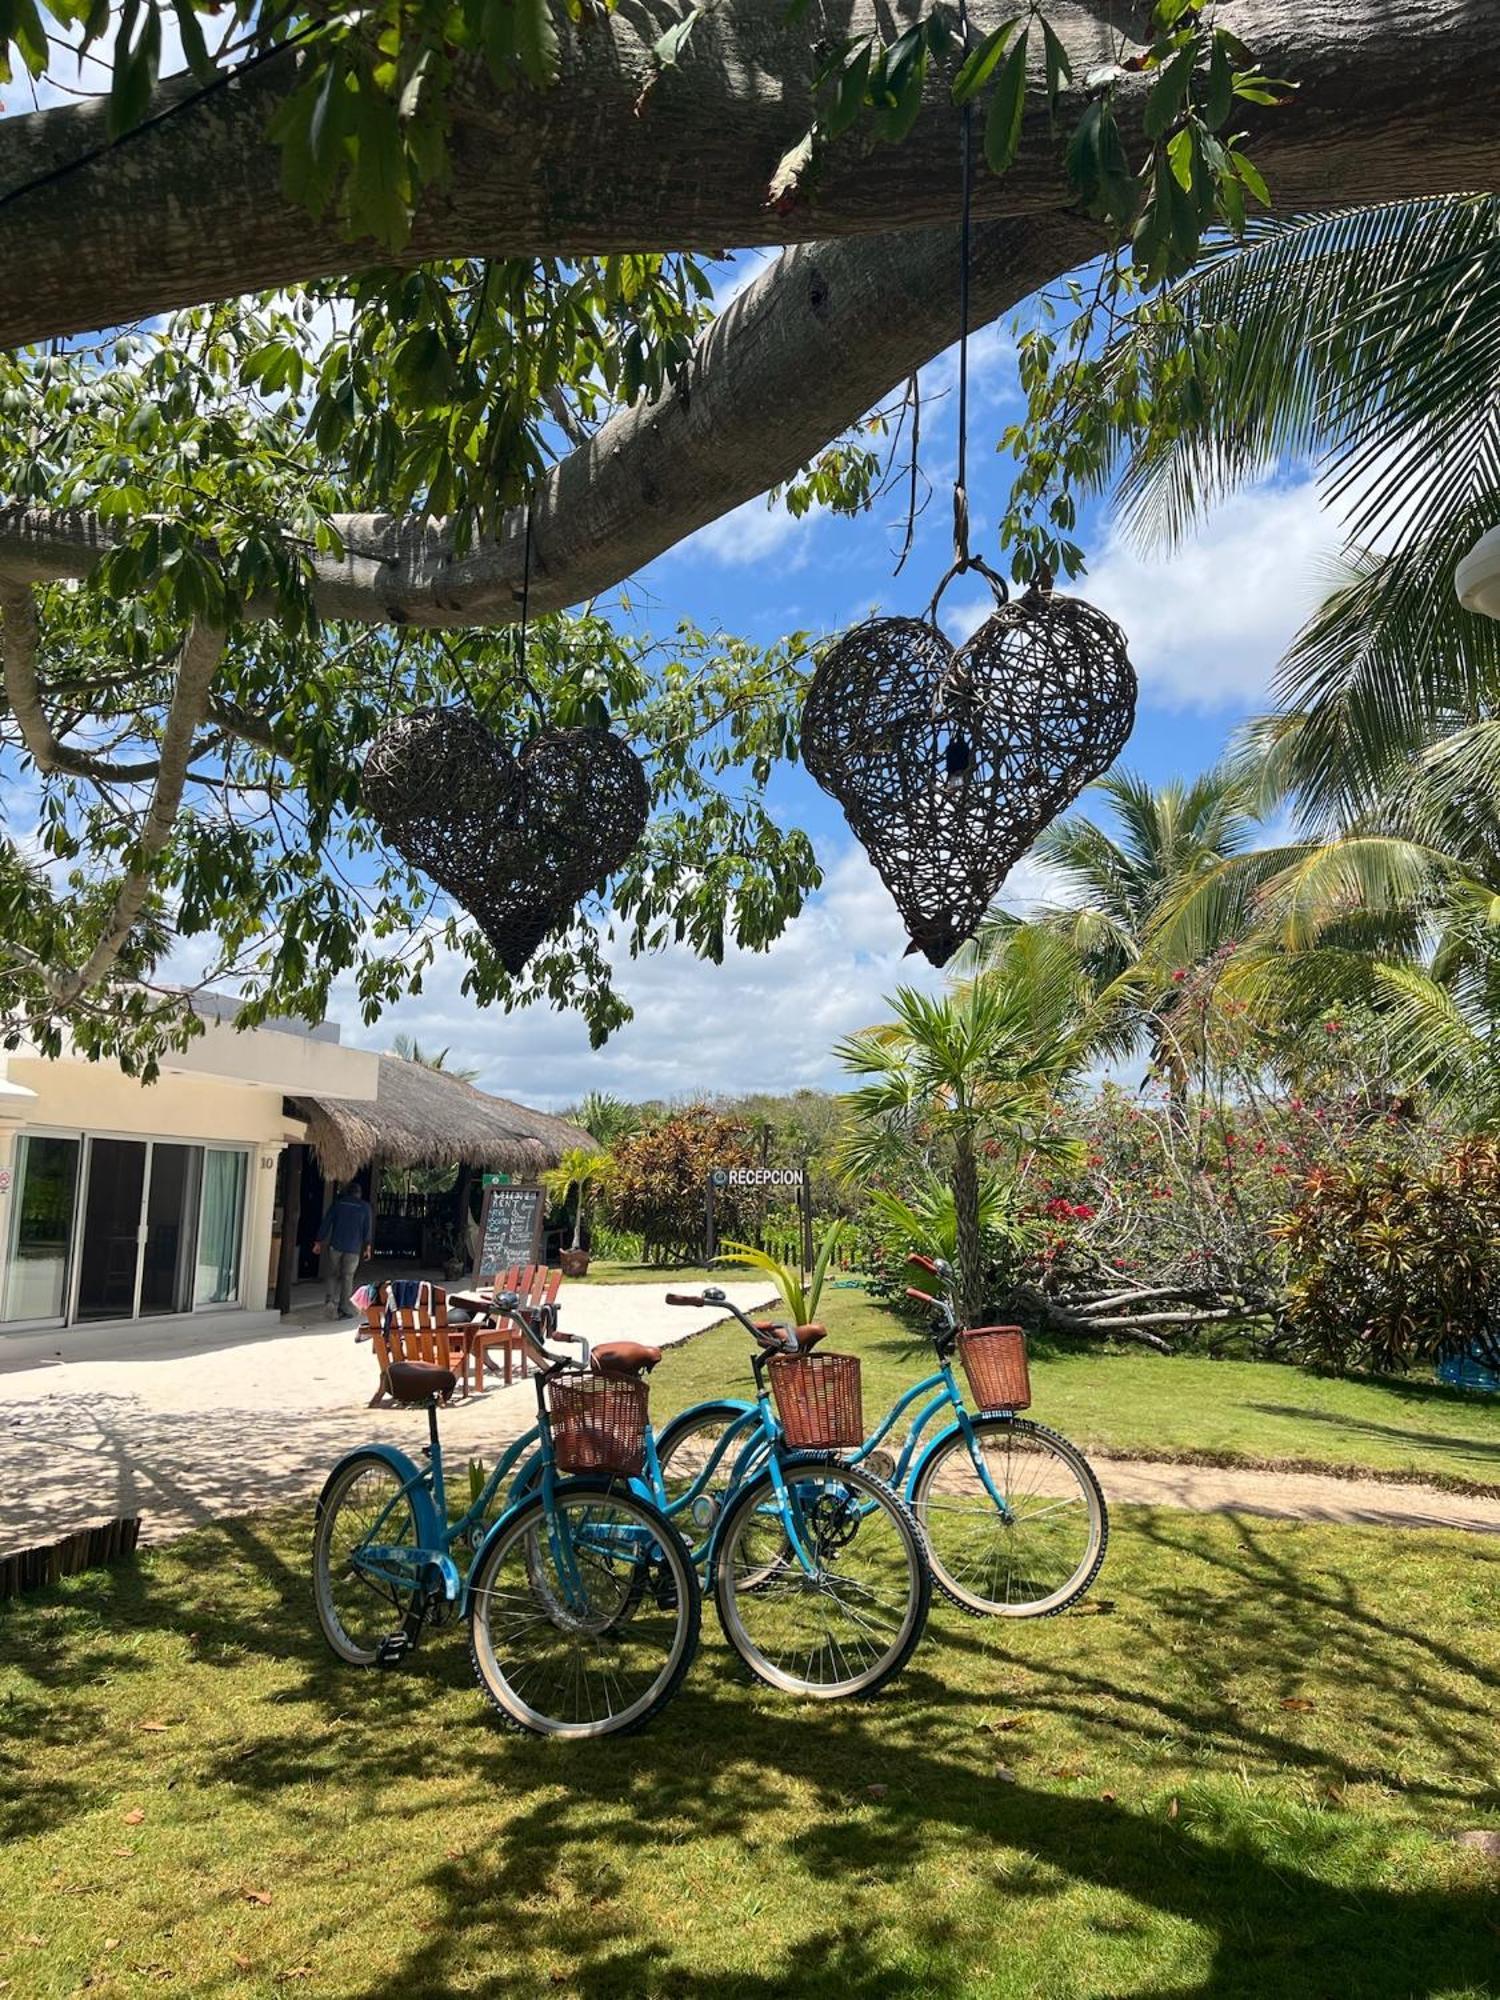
764	1589
682	1596
333	1502
1049	1602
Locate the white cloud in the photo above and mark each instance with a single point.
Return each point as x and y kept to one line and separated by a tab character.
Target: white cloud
752	532
762	1020
1207	625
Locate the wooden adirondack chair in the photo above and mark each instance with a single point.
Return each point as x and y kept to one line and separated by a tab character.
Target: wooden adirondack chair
418	1332
534	1285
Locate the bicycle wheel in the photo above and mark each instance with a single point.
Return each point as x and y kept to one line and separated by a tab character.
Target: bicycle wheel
363	1504
847	1624
1043	1551
583	1618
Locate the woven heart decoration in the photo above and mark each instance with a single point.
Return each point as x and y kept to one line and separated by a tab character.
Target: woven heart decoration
949	762
515	837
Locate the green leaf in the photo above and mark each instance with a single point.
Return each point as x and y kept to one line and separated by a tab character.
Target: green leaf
1059	69
379	188
1250	174
979	65
668	47
1219	99
1098	167
1169	94
1180	157
200	62
897	120
1002	125
849	97
22	24
135	66
536	41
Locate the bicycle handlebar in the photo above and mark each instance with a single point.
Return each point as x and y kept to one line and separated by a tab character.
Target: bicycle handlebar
928	1264
684	1299
923	1298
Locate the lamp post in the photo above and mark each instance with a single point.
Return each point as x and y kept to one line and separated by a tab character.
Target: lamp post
1477	577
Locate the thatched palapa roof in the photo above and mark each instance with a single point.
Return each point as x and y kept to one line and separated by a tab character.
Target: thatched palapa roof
424	1117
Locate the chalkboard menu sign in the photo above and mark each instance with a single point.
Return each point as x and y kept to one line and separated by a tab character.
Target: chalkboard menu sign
510	1229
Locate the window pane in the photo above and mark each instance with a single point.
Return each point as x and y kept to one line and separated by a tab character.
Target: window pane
46	1190
221	1224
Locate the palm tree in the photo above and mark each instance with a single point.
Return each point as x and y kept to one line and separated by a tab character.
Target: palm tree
606	1117
410	1050
1119	877
1369	340
952	1077
584	1168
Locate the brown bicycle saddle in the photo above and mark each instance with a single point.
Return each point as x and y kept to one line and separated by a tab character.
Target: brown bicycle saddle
623	1357
806	1337
415	1381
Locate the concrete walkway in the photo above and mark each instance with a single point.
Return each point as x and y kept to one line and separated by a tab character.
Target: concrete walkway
1301	1496
181	1430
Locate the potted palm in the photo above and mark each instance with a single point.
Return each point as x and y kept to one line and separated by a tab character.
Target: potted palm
581	1168
799	1291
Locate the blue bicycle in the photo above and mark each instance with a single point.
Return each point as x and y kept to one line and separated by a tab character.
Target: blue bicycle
583	1603
1012	1516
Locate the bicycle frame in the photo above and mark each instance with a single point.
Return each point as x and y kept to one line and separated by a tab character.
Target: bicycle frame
944	1393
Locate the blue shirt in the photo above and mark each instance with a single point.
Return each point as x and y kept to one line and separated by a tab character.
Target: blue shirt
348	1226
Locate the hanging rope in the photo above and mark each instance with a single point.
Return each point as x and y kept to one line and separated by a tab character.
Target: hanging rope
965	234
963	558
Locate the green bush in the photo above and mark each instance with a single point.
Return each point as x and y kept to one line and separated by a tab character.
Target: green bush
1395	1264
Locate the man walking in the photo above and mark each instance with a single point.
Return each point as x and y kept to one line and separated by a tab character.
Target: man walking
347	1229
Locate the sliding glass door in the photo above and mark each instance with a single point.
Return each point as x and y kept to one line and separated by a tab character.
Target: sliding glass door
105	1228
171	1212
109	1250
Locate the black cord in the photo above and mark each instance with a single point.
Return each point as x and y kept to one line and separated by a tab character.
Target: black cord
196	97
960	487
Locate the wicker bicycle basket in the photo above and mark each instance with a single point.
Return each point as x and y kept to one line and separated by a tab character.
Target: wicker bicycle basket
818	1400
994	1359
598	1424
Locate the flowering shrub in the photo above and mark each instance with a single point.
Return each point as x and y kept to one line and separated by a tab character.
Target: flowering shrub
1395	1263
659	1185
1171	1225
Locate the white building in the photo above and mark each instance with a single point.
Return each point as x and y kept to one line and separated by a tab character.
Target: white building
122	1201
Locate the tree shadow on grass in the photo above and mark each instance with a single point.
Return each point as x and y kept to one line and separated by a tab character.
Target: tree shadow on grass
1481	1452
1206	1633
1267	1926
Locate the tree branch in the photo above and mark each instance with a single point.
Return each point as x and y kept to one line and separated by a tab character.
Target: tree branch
20	648
803	352
197	663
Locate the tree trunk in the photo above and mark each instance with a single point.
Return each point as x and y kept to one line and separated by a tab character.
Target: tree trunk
969	1242
1396	97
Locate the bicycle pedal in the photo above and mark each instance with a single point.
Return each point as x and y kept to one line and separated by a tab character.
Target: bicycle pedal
393	1649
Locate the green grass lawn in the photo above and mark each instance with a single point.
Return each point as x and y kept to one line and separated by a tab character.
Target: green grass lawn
1238	1772
607	1271
1149	1405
